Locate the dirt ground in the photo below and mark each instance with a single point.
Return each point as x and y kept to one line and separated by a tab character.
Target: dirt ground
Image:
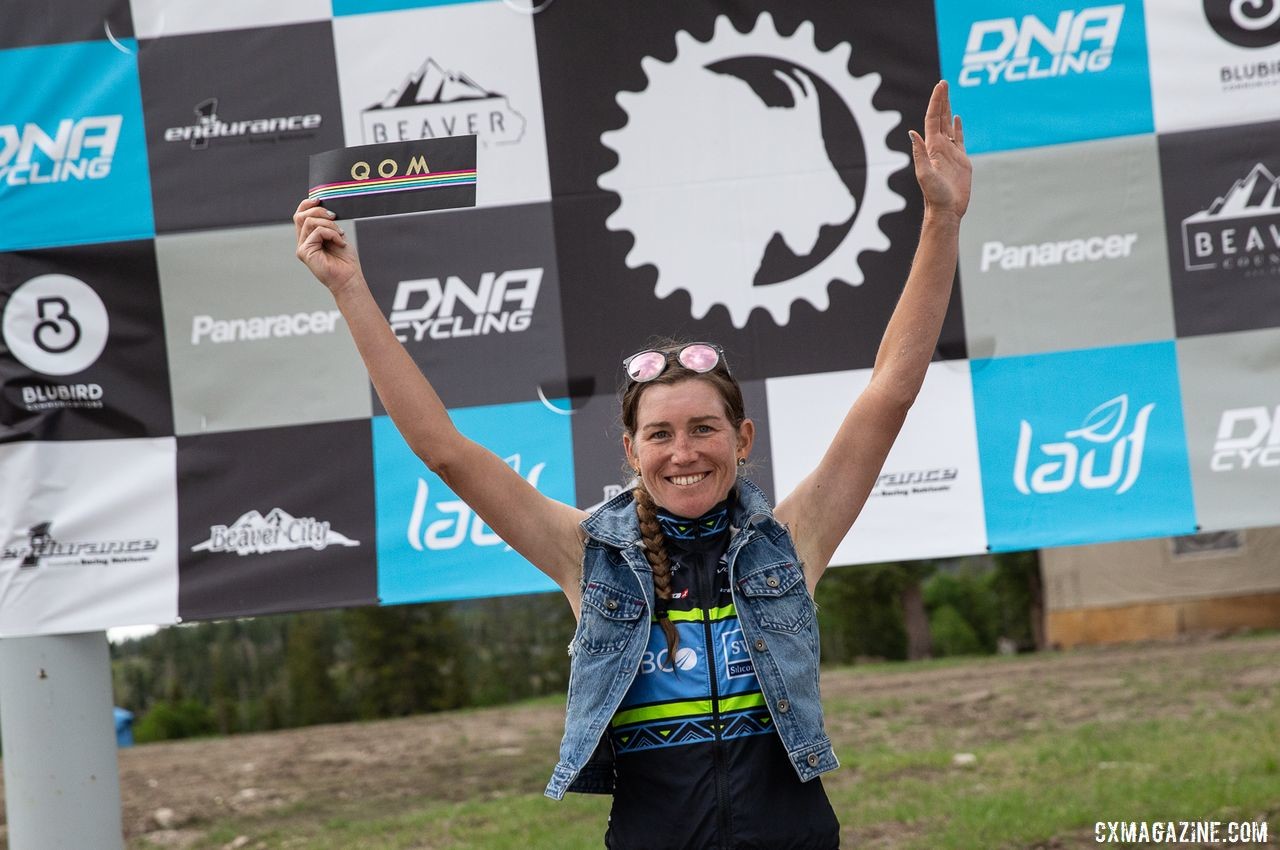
171	790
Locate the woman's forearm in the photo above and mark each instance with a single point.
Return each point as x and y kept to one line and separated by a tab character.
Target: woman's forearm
912	333
407	395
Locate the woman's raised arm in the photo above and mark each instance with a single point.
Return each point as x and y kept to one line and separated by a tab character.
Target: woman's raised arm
541	529
824	505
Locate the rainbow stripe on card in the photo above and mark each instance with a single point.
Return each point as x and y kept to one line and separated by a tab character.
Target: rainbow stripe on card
383	185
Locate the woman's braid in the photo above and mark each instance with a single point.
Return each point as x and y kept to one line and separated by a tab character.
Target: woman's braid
655	550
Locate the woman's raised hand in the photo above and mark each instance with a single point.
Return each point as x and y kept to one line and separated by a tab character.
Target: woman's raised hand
942	167
323	246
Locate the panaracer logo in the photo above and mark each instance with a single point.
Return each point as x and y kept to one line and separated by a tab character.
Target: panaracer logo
502	302
1009	50
432	102
206	328
210	127
1239	231
55	324
780	111
915	482
459	522
1089	249
76	149
1245	23
1066	467
1248	438
42	549
278	531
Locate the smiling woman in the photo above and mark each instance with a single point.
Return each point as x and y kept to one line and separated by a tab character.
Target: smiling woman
694	677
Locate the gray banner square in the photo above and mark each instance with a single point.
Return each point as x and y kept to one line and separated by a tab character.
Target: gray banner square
254	341
1063	248
1231	405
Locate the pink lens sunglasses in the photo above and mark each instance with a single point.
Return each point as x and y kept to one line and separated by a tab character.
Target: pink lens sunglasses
697	357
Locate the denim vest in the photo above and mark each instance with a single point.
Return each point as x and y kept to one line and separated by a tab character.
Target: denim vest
776	613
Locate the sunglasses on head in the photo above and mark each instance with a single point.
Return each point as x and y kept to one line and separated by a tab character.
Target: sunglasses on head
697	357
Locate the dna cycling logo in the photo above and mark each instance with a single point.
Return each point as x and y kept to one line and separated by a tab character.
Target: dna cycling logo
432	309
1008	50
459	523
1245	23
79	149
1069	464
745	132
1248	438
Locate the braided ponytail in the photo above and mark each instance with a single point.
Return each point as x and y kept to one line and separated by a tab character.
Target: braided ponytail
655	551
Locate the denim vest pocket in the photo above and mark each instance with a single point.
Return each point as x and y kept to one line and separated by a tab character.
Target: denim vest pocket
609	617
777	597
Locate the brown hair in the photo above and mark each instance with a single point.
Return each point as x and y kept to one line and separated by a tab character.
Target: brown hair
655	545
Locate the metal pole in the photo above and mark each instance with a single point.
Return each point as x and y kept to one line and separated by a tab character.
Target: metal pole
61	778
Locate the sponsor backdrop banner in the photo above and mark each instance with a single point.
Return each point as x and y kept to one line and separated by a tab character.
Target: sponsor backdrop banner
186	429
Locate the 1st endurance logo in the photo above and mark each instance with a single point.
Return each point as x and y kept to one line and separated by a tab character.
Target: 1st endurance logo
55	324
501	302
728	107
210	128
1007	50
78	149
42	549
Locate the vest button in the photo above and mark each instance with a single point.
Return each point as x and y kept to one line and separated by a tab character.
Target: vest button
813	759
760	644
772	581
784	706
611	604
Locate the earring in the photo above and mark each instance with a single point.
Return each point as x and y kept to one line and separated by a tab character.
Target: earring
742	461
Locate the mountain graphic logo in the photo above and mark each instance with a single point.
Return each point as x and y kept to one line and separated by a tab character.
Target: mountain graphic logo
433	102
1238	230
278	531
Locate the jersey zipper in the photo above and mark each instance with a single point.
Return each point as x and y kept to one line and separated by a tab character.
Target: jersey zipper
717	746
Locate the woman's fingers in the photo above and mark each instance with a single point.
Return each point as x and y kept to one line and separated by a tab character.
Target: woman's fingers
315	231
309	208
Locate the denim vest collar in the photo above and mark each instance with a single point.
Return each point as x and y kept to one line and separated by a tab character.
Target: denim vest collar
615	522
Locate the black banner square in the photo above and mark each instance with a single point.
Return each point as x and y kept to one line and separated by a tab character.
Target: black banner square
277	519
474	295
232	118
1222	213
82	353
644	78
31	22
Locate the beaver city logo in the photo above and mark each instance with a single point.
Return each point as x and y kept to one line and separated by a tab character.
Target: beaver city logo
433	102
1239	231
713	116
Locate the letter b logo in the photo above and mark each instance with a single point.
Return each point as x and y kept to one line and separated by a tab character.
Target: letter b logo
55	324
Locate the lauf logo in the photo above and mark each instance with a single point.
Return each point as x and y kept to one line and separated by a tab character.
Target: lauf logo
459	521
1245	23
1248	438
79	149
500	303
1005	50
1065	467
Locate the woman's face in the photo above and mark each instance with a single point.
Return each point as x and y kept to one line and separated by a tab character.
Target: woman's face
686	448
